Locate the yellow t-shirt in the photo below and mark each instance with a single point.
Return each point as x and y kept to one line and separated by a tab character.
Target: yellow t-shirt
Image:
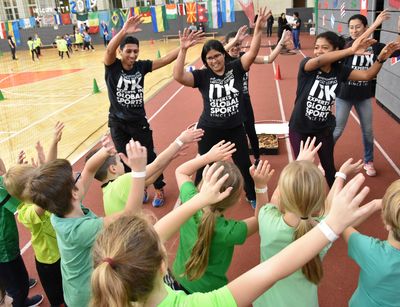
37	42
78	38
43	236
30	45
61	44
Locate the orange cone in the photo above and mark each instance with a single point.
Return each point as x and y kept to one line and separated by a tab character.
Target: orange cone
278	73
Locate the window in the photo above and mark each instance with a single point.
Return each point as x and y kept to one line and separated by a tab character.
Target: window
11	10
32	7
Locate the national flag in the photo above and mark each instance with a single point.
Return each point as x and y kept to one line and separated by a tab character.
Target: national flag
132	12
57	19
323	20
124	13
16	34
158	17
364	7
115	19
339	28
332	21
145	13
82	17
181	9
202	12
335	3
66	18
9	28
3	33
93	22
171	11
342	10
191	12
228	10
353	4
326	4
248	9
32	21
395	60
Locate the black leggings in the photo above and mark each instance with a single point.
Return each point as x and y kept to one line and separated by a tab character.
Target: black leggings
14	276
34	52
325	153
50	277
122	133
241	157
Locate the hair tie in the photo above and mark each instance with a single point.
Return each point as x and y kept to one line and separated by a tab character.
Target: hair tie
304	217
110	261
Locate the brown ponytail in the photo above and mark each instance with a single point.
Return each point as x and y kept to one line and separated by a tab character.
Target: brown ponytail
302	192
198	261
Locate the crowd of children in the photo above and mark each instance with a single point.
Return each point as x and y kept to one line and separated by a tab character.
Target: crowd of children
120	259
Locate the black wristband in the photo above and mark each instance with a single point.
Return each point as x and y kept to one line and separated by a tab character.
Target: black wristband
380	61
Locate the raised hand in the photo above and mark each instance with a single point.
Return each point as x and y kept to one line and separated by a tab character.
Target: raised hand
21	157
58	129
263	15
108	144
191	135
136	157
190	38
308	150
261	173
384	15
349	168
221	151
211	185
40	153
241	34
387	51
362	43
132	23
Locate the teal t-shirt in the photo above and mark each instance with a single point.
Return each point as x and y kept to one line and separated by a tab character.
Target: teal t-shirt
217	298
115	194
294	290
379	281
227	233
75	238
9	240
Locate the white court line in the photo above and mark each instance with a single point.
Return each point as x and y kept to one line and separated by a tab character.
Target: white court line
379	146
10	105
282	111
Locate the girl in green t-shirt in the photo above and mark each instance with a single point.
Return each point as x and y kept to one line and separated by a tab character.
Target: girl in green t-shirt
129	272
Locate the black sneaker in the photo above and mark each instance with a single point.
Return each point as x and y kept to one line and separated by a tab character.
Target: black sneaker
34	300
32	282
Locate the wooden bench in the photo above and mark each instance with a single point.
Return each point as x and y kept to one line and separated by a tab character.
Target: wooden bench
172	36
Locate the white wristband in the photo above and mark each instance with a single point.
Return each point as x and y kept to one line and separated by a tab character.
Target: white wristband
179	142
341	175
138	174
327	231
266	59
261	191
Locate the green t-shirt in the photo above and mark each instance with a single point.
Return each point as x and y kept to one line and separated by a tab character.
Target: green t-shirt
9	240
75	238
37	42
30	45
217	298
294	290
43	236
115	194
227	233
379	281
61	45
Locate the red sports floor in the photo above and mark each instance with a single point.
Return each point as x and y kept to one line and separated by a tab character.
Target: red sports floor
175	107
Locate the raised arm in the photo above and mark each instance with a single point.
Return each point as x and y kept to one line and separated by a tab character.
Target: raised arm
58	129
209	194
130	26
248	58
285	39
165	60
220	151
187	39
238	39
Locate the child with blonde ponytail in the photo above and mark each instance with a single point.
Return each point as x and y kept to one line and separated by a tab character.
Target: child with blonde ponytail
207	240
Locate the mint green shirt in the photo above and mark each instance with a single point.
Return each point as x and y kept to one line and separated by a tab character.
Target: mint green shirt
217	298
75	238
379	281
294	290
227	234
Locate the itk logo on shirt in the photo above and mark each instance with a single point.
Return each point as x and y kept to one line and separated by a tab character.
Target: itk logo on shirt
224	98
129	91
361	62
321	97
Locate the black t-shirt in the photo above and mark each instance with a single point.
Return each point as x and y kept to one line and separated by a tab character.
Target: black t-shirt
222	95
125	90
316	93
297	21
360	90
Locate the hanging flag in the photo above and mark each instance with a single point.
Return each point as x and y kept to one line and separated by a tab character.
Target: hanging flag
104	16
342	10
158	18
171	11
323	20
248	9
93	22
202	12
339	28
124	14
364	7
16	33
214	14
9	28
228	10
395	60
66	18
32	21
115	19
335	3
395	3
146	15
82	17
131	12
181	9
57	19
353	4
191	12
326	4
332	21
3	33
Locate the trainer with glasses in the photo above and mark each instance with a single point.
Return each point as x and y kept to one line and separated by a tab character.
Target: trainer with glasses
125	84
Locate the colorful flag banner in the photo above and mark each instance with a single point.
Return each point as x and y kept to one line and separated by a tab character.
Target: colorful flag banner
66	18
115	19
171	11
17	35
124	14
364	7
202	12
248	9
132	12
158	17
9	28
57	19
3	33
181	9
146	15
228	10
395	60
93	22
343	10
191	12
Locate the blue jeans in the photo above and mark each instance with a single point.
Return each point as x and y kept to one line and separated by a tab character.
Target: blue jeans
296	38
364	111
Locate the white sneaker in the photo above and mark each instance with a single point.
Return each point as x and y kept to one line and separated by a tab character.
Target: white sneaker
370	169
